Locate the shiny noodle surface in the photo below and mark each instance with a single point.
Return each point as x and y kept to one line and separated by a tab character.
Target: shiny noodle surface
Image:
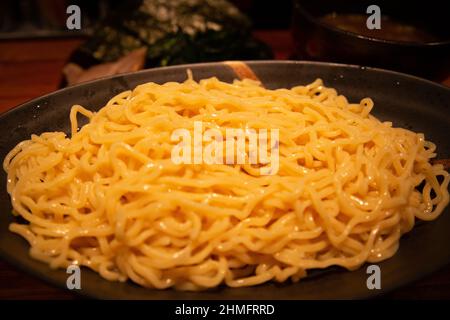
110	198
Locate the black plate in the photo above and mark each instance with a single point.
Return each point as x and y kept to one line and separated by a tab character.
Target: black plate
408	101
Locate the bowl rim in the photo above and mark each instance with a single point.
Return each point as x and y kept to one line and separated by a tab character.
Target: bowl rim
212	63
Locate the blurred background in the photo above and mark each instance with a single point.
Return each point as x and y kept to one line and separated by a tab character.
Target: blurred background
123	36
45	18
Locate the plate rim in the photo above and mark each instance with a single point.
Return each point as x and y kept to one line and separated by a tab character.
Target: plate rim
206	64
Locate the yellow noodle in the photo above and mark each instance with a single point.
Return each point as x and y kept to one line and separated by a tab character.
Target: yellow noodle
110	198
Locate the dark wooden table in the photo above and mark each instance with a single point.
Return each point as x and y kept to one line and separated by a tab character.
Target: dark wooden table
31	68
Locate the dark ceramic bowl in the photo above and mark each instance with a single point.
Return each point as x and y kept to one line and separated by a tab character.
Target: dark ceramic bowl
316	40
408	101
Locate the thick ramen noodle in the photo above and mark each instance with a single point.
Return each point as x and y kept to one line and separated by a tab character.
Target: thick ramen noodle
110	198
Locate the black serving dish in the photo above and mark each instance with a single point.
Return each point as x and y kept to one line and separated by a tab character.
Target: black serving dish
407	101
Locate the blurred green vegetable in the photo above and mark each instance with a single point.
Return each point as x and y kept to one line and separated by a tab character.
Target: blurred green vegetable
175	32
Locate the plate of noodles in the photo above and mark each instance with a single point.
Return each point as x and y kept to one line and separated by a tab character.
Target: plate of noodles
359	178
